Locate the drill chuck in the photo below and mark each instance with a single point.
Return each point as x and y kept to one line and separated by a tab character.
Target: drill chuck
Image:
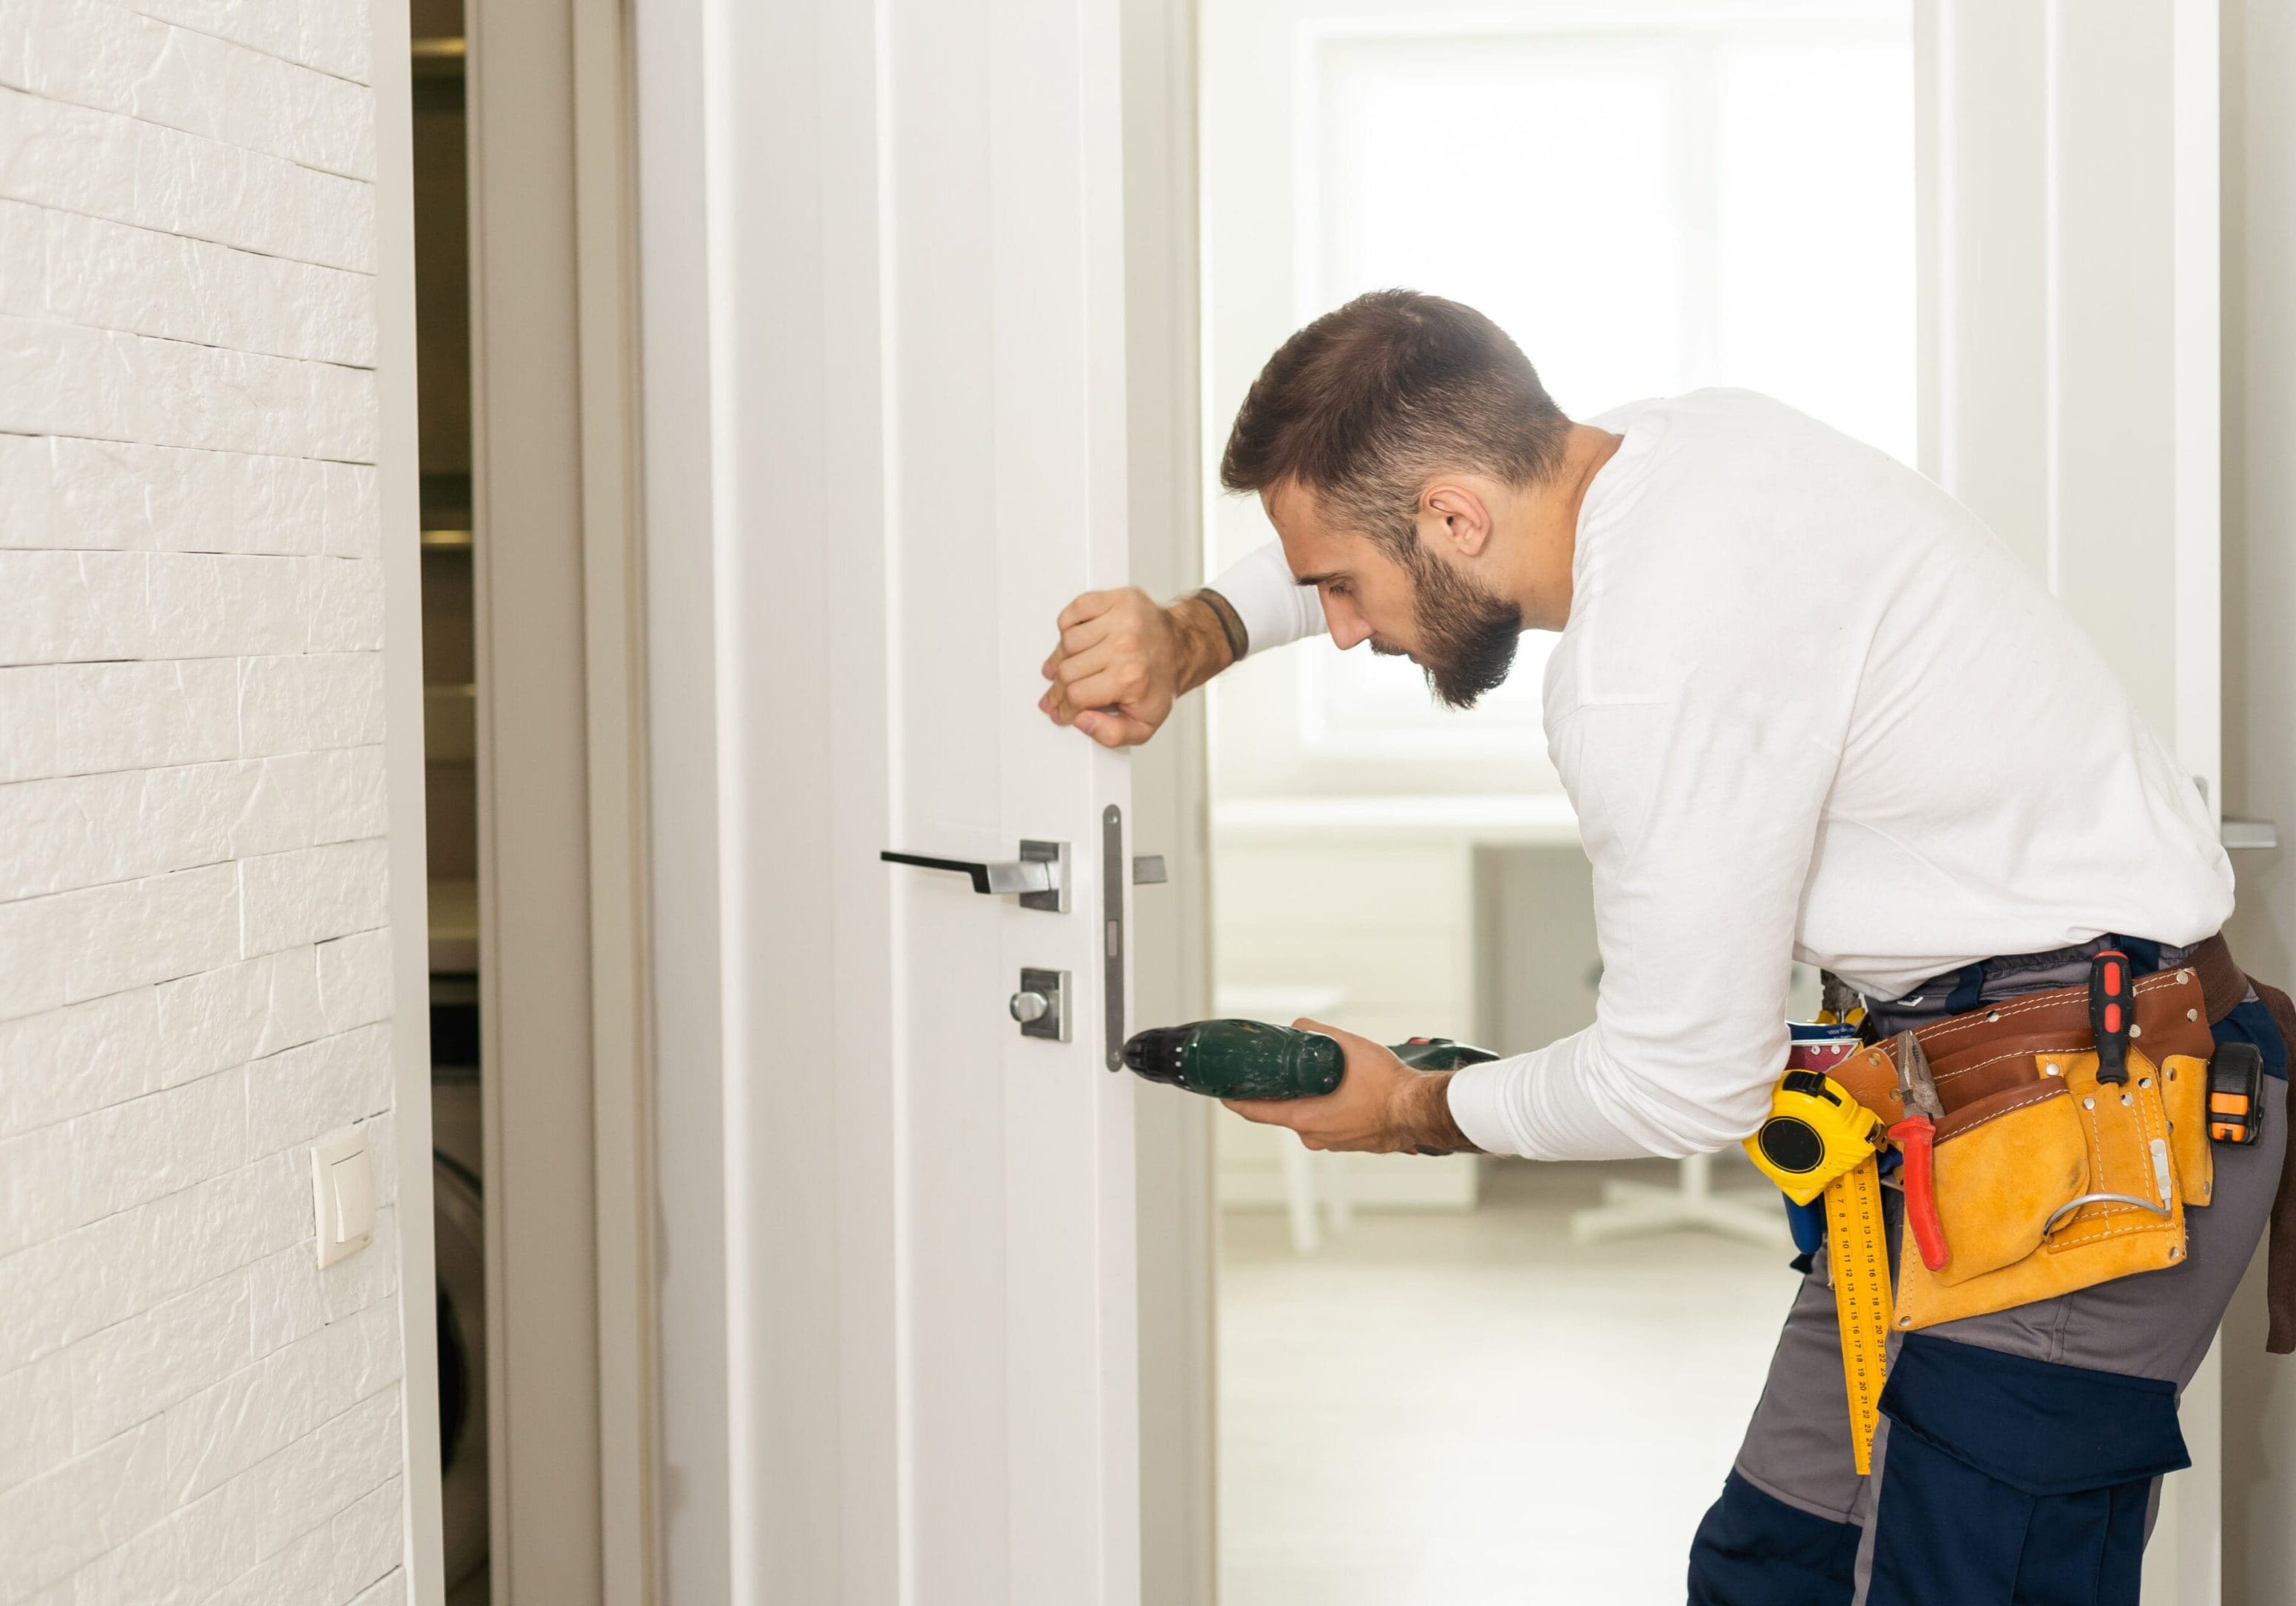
1158	1053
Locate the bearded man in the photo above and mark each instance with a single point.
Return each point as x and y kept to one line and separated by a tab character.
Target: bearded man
1807	708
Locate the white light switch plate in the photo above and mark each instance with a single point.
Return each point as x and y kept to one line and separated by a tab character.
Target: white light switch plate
342	1193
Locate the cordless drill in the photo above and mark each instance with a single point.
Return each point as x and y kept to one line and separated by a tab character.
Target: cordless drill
1251	1060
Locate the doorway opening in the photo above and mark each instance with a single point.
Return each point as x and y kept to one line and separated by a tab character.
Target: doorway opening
1431	1370
442	282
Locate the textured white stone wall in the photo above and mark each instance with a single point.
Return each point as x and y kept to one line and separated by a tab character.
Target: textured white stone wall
194	971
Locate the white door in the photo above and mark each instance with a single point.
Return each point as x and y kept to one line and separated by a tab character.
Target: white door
2067	173
885	445
1002	313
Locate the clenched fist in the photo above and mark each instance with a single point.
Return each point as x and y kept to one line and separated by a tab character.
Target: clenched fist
1123	658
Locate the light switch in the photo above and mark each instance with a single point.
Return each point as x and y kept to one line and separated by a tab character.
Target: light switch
342	1193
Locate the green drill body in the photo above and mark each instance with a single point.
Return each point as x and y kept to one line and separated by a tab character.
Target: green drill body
1251	1060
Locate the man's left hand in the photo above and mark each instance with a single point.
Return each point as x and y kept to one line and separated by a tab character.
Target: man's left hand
1382	1105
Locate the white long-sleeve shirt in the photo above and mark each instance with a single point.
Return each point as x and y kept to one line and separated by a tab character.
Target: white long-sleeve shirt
1807	707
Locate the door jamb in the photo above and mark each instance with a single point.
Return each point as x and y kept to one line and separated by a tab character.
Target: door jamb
1176	1253
568	430
605	205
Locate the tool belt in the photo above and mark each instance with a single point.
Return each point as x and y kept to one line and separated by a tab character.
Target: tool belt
2048	1180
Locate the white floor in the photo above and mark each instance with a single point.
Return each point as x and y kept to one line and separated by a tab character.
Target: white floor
1469	1410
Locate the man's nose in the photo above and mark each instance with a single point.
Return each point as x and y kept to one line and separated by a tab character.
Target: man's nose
1349	628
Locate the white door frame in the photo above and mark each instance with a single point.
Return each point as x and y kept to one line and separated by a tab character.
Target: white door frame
614	714
2069	268
1171	801
2070	242
695	1561
601	1305
561	857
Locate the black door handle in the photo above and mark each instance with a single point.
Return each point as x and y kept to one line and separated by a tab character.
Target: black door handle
1038	877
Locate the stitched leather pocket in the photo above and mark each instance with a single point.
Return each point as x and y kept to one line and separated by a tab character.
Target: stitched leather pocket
2185	1090
2127	1125
2008	1164
2123	1130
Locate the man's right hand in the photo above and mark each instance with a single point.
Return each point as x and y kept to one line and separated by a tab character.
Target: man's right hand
1123	658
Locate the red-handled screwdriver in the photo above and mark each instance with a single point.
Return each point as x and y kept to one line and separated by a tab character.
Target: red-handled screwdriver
1916	1136
2112	1011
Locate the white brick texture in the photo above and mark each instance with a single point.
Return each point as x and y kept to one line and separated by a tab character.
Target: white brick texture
196	973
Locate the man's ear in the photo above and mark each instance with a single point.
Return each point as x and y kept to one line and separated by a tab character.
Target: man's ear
1453	513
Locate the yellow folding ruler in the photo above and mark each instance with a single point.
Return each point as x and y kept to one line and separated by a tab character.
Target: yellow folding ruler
1820	1140
1857	1255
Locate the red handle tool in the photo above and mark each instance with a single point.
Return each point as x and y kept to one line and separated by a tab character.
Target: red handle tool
1916	1136
2112	1010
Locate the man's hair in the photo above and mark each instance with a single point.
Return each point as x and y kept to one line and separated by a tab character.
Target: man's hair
1371	400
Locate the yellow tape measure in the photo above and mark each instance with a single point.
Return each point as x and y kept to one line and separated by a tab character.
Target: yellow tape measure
1858	1254
1815	1132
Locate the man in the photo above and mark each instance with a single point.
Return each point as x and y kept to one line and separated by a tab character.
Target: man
1805	707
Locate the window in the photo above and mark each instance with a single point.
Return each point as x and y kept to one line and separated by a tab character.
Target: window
1647	205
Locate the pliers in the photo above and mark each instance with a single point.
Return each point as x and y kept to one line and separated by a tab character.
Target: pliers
1915	1135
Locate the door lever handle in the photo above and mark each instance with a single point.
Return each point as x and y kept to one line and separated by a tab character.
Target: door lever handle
1038	877
1025	876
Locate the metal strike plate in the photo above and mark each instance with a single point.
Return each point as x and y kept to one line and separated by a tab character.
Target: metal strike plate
1112	888
1041	1006
1148	870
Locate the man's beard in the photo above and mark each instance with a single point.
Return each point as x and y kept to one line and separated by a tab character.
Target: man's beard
1467	636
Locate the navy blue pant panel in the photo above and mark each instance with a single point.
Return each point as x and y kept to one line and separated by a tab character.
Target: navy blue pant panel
2033	1425
2016	1482
1753	1549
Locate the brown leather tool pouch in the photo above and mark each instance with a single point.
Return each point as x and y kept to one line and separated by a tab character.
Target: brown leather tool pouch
2104	1204
2002	1176
2030	1138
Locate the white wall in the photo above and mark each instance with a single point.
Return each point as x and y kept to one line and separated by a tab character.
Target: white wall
2259	724
195	975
